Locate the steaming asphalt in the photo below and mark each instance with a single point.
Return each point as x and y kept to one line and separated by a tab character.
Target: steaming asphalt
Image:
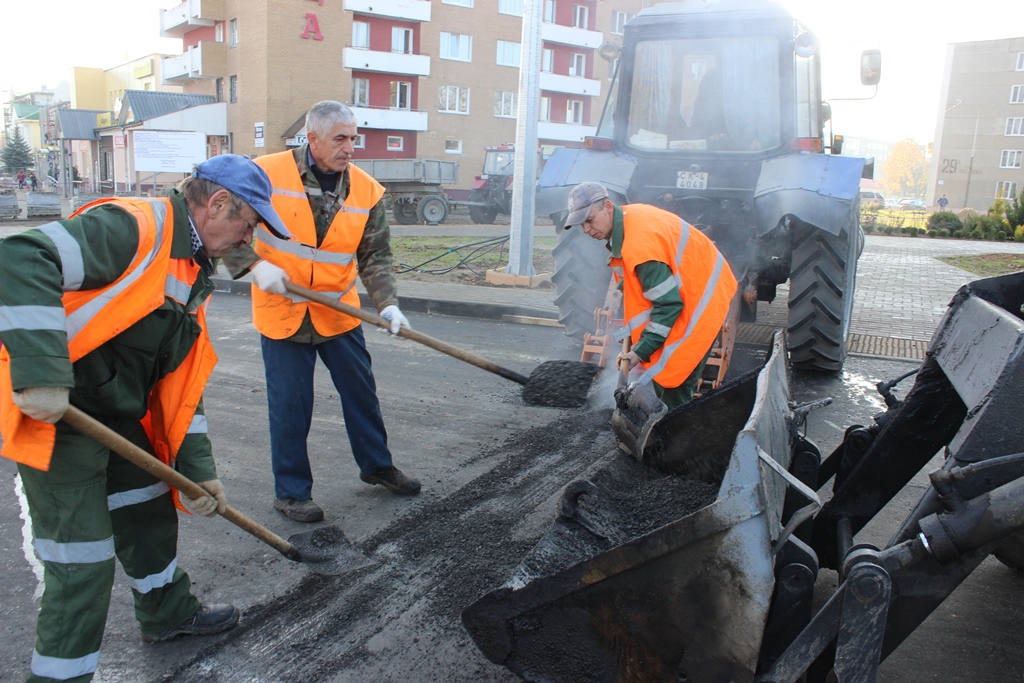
447	423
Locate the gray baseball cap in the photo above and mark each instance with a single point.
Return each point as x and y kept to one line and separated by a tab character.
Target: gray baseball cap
581	198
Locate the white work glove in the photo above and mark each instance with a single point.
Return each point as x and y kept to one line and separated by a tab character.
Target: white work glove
207	506
397	319
46	404
269	278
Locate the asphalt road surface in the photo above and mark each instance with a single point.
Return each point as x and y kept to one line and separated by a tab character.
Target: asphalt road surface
492	471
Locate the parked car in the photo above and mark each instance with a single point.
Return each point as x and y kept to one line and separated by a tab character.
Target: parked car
908	204
871	200
891	203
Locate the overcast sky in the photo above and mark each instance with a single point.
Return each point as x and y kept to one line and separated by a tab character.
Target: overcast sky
38	50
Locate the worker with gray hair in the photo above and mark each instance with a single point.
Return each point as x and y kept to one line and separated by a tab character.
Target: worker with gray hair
336	212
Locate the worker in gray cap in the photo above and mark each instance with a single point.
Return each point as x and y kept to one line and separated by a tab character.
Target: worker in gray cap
106	311
677	287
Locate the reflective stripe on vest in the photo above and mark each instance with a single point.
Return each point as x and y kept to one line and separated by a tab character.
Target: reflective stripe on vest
72	265
303	251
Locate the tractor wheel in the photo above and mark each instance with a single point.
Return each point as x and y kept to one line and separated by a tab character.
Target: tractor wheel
821	285
1011	551
481	214
581	280
404	213
432	210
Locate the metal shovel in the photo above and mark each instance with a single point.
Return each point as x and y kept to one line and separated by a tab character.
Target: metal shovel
637	410
554	383
324	550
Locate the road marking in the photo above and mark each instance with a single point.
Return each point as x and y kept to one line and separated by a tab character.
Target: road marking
26	538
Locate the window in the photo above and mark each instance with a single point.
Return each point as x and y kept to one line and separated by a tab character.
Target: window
1010	158
232	89
453	146
574	111
1015	126
1020	61
453	99
508	53
619	21
219	88
396	143
1017	95
580	16
545	108
577	64
401	40
361	34
218	32
1006	190
400	94
360	142
547	60
505	104
456	46
549	11
460	3
361	92
233	33
513	7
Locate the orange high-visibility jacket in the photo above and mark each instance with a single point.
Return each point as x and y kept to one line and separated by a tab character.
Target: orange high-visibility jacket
96	316
330	268
706	286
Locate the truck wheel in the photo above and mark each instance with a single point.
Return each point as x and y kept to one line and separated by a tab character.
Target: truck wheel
432	210
822	279
404	213
581	280
481	214
1011	551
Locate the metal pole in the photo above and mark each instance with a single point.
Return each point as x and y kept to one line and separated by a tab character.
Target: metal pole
520	249
970	166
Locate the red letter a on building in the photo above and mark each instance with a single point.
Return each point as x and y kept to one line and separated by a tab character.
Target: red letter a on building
312	28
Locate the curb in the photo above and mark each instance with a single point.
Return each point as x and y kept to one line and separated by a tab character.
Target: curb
414	304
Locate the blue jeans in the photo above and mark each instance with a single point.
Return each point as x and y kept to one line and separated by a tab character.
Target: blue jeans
289	369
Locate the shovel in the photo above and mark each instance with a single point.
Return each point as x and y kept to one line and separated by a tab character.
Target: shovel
554	383
324	550
637	410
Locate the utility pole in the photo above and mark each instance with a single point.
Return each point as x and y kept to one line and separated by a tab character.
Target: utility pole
970	166
520	248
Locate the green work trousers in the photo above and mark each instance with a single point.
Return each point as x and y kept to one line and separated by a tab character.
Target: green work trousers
89	506
683	394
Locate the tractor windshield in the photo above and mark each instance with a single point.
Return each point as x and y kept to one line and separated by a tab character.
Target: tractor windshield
499	163
705	94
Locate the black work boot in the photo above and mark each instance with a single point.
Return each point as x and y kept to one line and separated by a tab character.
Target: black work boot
209	619
392	479
299	510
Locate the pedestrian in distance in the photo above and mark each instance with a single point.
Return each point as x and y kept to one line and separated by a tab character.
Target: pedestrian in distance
32	182
677	287
336	212
943	203
106	311
21	179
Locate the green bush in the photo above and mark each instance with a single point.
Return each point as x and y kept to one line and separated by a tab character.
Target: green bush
944	233
987	226
944	220
977	235
1018	234
1001	236
868	227
889	230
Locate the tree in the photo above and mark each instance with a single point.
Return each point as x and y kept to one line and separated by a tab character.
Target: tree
906	171
16	155
1015	212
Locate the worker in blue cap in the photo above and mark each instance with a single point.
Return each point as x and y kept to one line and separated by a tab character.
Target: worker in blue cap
106	311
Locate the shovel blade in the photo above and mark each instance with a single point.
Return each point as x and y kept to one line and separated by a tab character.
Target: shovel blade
326	551
637	410
560	384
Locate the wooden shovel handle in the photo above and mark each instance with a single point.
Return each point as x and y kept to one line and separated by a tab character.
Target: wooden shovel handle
426	340
129	451
624	371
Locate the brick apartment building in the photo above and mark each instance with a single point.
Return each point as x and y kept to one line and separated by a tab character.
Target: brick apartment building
433	79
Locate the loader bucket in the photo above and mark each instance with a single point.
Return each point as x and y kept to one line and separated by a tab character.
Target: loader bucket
619	590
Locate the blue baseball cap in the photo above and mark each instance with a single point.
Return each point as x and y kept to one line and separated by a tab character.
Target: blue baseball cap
247	180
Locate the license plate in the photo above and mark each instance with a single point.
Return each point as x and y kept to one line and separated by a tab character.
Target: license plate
688	180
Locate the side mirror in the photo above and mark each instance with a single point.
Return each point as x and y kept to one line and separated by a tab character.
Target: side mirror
871	67
837	144
609	52
826	112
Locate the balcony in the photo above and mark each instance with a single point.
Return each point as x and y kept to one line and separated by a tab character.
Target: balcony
408	10
208	59
177	21
564	132
569	35
386	62
388	119
587	87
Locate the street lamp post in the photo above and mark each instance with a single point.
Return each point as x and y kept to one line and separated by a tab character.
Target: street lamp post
970	165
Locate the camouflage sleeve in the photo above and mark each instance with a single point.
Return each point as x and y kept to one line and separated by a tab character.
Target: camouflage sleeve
240	261
373	257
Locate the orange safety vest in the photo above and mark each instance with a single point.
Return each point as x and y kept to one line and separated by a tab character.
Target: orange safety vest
95	316
330	268
706	286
